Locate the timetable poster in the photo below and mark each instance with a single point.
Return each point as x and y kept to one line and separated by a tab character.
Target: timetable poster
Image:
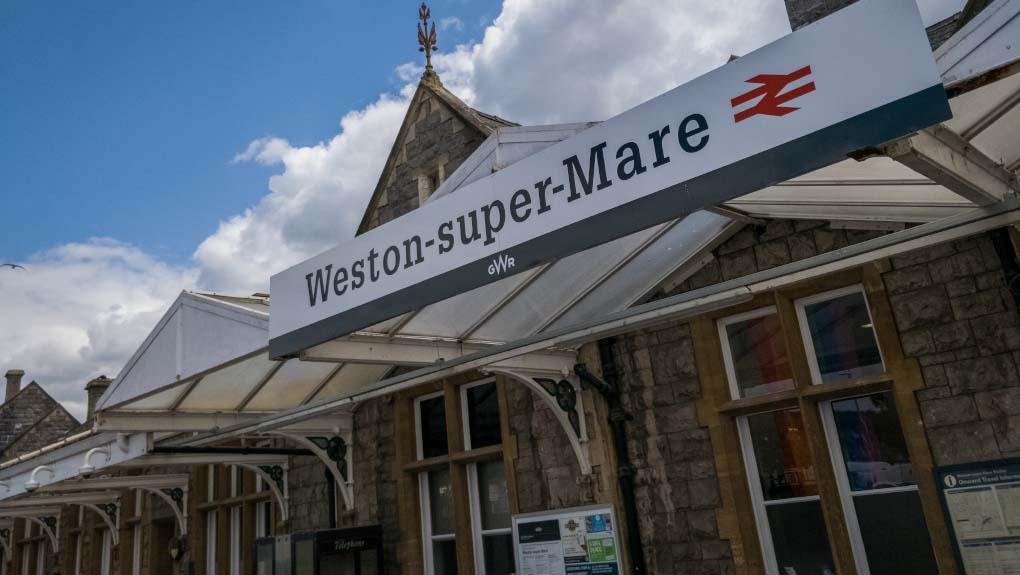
579	541
982	506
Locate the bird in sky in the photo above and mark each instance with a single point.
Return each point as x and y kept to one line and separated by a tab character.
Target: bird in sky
12	266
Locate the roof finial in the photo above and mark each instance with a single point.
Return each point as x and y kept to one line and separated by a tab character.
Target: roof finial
427	38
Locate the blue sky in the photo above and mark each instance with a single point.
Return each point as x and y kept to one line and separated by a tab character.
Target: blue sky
121	124
120	118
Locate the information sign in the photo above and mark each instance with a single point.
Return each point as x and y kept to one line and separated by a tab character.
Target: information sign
982	506
578	541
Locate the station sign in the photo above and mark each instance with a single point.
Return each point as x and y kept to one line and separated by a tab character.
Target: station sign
860	77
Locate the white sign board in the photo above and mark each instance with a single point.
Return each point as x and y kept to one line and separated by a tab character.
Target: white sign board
579	541
863	76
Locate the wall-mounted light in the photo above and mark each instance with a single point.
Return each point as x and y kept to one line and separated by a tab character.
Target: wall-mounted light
33	482
87	468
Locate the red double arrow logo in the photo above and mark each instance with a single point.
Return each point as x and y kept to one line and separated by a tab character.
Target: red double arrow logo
771	93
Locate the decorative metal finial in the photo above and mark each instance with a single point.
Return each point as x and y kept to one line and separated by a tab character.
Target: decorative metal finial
426	37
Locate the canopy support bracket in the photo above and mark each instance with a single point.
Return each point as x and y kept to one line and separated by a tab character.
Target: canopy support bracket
110	514
177	499
562	394
333	452
275	476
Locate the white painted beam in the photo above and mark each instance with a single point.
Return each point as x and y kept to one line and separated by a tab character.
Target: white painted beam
947	159
414	352
186	422
161	459
127	482
44	500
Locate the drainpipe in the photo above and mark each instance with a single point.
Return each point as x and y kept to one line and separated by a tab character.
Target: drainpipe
624	468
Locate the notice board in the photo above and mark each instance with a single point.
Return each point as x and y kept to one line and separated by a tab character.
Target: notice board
981	502
578	541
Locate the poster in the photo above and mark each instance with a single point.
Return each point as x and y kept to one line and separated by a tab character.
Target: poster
982	506
578	541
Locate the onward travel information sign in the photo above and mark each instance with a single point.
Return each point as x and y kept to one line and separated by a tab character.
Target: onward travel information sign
863	76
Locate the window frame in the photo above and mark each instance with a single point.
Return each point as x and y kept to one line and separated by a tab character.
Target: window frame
901	376
210	541
136	549
758	501
805	330
105	558
419	442
40	557
465	415
727	351
462	461
426	522
236	538
846	494
478	534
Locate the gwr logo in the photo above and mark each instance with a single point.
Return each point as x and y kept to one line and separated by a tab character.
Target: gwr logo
772	100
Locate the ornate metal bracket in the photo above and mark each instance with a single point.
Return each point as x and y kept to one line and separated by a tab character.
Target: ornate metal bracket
562	396
110	514
50	525
333	451
566	399
177	499
275	475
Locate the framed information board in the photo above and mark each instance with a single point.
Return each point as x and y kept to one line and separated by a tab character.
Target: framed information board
982	506
578	541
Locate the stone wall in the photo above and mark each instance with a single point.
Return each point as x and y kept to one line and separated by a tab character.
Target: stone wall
437	142
758	248
546	469
375	486
676	486
957	316
53	426
309	494
804	12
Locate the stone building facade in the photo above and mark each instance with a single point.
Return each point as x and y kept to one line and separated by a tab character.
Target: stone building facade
944	318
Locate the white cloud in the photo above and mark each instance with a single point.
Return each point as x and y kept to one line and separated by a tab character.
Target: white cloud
538	62
451	22
578	60
80	310
315	203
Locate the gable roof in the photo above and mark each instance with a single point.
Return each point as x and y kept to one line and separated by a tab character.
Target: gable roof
430	85
23	412
199	331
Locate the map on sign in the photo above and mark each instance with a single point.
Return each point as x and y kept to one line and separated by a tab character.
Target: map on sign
982	504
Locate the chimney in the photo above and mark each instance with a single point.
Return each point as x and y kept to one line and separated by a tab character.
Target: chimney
803	12
13	383
95	389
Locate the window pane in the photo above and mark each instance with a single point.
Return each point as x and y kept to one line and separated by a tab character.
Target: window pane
799	538
483	415
759	357
492	495
440	501
894	533
843	338
444	557
499	554
784	462
872	443
433	427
